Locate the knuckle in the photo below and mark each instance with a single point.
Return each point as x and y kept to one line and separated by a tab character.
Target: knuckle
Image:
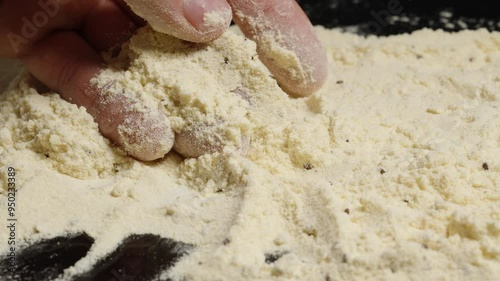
67	73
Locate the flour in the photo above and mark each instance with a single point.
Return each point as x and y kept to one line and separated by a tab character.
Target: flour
389	172
215	19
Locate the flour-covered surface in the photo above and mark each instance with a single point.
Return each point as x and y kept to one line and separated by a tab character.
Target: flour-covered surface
390	172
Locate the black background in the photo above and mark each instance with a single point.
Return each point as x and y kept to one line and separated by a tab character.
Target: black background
418	14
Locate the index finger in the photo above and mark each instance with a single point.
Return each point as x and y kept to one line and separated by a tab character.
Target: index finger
286	42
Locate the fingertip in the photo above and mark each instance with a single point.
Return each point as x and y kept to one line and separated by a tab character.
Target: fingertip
191	20
146	135
286	43
209	17
197	140
306	83
143	133
200	139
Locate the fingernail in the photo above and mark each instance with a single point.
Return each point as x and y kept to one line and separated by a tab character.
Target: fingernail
207	15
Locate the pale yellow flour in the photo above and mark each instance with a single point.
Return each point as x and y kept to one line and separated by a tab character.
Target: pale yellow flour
389	172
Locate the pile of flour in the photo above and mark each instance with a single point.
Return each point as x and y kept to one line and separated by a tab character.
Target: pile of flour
389	172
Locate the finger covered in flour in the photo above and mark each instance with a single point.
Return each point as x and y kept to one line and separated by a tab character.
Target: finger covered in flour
191	20
143	133
286	42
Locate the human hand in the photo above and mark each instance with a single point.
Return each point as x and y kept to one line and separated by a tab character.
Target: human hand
59	42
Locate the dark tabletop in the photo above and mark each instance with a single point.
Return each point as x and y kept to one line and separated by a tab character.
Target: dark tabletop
385	17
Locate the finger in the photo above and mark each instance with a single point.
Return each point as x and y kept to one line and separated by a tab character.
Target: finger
202	139
143	133
23	23
107	25
286	42
191	20
199	139
128	11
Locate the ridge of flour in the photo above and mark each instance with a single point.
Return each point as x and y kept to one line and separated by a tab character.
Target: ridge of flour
389	172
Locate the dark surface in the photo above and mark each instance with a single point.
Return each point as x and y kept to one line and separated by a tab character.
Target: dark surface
141	257
138	258
371	16
47	259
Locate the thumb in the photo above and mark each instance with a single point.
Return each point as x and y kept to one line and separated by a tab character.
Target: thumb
191	20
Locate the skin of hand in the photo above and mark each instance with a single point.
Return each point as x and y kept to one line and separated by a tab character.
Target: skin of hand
59	42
